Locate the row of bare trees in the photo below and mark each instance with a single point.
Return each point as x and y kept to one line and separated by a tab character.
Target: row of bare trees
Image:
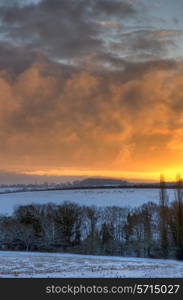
66	227
150	230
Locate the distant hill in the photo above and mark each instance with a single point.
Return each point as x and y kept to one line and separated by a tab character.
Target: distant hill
91	182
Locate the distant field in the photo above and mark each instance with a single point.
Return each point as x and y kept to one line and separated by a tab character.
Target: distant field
25	264
99	197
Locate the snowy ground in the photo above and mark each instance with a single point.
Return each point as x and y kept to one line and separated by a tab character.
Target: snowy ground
101	197
25	264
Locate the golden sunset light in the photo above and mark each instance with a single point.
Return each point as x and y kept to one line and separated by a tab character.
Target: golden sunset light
109	106
149	176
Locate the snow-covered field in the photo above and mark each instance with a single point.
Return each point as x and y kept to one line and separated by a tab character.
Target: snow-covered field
101	197
29	264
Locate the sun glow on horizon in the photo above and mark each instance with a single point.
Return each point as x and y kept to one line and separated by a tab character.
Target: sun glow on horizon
169	175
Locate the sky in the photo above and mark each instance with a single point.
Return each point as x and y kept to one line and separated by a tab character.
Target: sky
91	88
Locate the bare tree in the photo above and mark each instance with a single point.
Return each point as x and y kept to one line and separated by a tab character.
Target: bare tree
178	218
163	218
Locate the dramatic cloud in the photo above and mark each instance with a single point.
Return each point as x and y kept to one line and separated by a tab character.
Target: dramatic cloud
87	120
90	85
78	31
63	29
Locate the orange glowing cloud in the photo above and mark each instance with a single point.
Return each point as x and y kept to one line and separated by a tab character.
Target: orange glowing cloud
85	123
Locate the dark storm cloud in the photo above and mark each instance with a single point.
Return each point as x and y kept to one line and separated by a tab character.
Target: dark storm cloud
112	8
64	29
88	33
16	59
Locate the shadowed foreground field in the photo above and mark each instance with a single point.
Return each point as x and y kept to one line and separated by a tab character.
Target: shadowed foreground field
28	264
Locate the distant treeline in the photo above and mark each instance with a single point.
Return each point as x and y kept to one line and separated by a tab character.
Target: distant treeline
150	230
99	187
